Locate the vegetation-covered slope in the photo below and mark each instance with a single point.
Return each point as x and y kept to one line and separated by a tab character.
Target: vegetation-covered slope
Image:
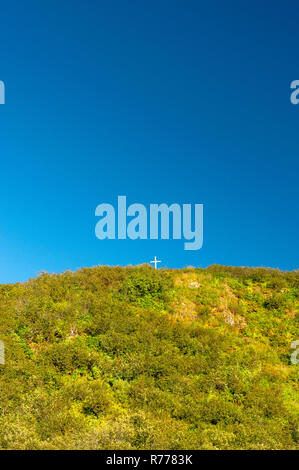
133	358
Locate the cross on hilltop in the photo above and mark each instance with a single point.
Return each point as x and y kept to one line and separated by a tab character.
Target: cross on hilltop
155	262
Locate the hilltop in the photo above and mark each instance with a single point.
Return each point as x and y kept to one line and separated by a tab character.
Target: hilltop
137	358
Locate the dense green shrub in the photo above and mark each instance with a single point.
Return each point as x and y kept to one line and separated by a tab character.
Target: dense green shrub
137	358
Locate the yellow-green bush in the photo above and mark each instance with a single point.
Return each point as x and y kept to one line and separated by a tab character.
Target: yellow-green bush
134	358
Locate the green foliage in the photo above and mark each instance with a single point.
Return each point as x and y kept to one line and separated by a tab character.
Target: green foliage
275	302
137	358
148	288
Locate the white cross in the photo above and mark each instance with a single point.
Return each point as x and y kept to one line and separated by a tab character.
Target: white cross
155	262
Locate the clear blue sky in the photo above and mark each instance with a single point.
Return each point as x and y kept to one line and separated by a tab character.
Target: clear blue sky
162	101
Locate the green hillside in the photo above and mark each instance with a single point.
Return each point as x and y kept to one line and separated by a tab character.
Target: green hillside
133	358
